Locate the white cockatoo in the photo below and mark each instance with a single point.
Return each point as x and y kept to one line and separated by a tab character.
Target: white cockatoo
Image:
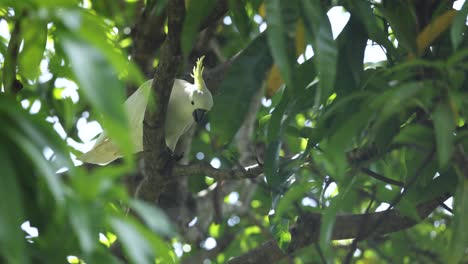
188	103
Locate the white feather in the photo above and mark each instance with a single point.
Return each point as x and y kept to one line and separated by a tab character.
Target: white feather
185	98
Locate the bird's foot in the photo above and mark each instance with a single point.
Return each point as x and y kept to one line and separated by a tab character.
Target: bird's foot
174	156
178	157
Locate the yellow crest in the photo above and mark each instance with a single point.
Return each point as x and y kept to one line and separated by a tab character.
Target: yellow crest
198	73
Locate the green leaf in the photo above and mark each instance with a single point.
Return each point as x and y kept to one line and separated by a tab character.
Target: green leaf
82	221
196	12
385	195
459	241
312	14
56	3
11	59
65	112
140	244
3	45
164	252
104	257
272	163
445	183
396	99
384	135
415	134
414	161
294	193
154	218
275	132
36	130
32	135
18	5
350	66
12	241
280	44
241	82
400	15
95	31
341	123
408	208
96	77
280	230
42	165
342	138
327	221
34	33
240	17
325	49
362	11
444	127
459	26
327	56
101	87
135	245
305	74
275	127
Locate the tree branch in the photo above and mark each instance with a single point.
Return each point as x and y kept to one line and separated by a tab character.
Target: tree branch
147	34
157	159
203	168
346	226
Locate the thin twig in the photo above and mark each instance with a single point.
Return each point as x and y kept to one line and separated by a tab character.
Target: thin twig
205	169
380	177
397	199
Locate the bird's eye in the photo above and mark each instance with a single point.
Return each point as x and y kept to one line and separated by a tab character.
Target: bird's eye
193	102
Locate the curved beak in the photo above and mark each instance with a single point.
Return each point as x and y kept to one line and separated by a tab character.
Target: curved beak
199	115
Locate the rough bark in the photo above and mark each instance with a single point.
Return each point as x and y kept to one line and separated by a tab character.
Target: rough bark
307	230
158	161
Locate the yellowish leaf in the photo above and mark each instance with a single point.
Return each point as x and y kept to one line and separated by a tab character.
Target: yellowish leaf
262	11
433	30
300	37
274	81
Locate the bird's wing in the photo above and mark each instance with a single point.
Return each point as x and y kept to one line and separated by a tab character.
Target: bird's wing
104	150
100	139
135	105
173	137
187	127
102	153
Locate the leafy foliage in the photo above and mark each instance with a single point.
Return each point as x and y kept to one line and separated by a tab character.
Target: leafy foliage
333	132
